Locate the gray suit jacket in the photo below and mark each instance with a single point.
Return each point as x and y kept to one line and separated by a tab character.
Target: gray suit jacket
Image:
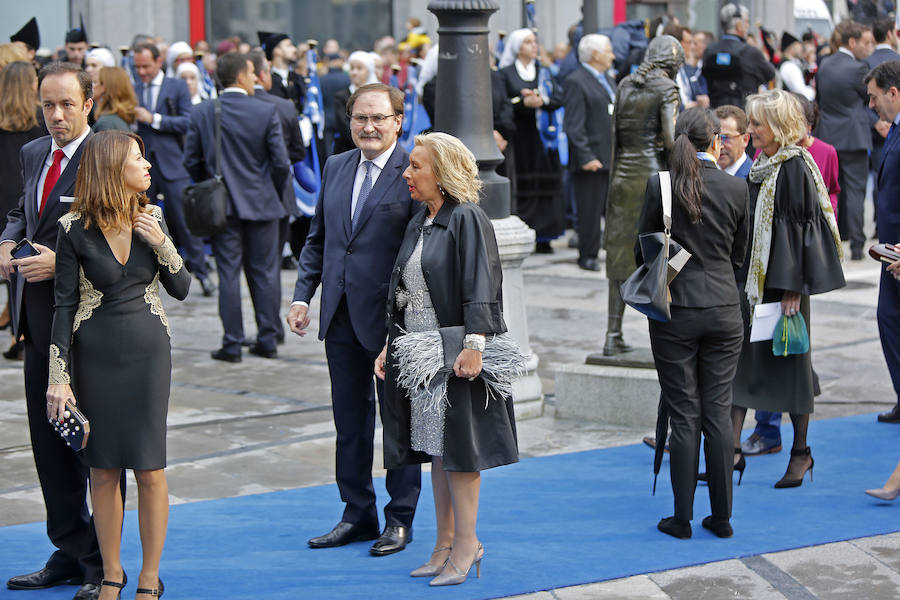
842	96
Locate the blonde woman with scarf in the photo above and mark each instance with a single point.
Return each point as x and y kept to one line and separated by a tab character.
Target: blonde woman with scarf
795	252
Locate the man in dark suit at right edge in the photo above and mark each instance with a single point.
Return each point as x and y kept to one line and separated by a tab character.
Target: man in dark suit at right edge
255	170
883	87
844	123
49	165
362	213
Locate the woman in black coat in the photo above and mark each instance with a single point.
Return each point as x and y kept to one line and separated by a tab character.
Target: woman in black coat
697	351
447	274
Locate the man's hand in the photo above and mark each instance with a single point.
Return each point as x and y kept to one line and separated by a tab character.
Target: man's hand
297	319
592	165
37	268
379	363
143	115
501	141
6	266
894	267
882	127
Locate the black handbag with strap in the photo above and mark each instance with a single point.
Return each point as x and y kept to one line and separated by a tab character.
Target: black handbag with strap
647	289
206	202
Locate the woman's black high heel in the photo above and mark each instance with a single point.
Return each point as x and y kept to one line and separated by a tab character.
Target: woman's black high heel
116	584
156	592
739	466
784	482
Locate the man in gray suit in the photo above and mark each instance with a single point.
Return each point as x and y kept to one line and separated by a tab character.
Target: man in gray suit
844	123
255	169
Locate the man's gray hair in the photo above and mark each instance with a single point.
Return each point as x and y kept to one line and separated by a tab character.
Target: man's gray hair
730	14
590	43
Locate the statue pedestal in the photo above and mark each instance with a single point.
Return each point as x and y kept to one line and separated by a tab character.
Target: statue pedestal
515	240
608	394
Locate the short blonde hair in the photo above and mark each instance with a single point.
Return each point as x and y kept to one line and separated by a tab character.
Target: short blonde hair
454	166
781	111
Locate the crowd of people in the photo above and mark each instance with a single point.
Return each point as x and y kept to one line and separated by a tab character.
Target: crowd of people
769	144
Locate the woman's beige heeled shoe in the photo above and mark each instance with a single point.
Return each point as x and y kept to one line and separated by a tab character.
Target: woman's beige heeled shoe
460	576
429	569
884	494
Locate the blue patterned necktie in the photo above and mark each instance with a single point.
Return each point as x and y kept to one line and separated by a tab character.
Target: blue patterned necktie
891	133
148	95
363	194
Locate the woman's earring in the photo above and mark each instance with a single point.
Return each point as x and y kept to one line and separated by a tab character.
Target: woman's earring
443	193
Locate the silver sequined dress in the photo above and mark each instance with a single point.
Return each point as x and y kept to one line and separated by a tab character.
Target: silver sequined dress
427	427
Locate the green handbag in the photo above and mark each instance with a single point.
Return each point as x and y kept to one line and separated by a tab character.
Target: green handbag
790	336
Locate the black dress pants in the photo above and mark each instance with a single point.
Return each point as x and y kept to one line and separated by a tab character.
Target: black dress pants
63	476
590	204
854	168
351	367
696	356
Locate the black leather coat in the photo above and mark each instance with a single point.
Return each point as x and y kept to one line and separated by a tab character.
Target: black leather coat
461	265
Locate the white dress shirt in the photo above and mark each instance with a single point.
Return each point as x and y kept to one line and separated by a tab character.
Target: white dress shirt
377	165
68	151
733	167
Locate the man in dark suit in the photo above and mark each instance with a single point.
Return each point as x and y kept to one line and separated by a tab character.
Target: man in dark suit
844	123
361	216
281	52
883	87
162	117
296	152
733	68
255	169
885	35
49	165
331	83
589	101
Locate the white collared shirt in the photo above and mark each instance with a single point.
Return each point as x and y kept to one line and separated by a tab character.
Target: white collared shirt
155	86
847	52
377	165
526	72
283	73
239	90
733	167
68	151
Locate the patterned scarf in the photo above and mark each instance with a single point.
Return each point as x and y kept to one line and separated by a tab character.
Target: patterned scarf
765	170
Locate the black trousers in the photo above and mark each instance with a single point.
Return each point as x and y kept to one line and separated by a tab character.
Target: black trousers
854	168
351	367
63	475
888	314
590	202
696	355
191	246
252	245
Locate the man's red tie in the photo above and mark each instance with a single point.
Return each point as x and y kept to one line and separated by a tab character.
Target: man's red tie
51	179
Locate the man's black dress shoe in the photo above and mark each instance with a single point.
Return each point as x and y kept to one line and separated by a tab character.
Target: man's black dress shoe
675	527
207	286
720	527
589	264
856	254
220	354
263	352
394	539
344	533
88	591
891	416
289	263
44	578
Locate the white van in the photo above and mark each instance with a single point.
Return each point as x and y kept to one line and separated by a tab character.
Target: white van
812	14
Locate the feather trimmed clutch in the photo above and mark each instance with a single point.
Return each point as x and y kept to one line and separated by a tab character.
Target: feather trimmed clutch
425	364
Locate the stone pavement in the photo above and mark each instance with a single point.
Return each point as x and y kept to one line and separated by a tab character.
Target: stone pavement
265	425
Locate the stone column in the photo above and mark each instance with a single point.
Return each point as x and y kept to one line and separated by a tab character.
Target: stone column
463	108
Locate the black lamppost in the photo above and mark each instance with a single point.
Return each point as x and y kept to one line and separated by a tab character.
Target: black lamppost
463	106
590	16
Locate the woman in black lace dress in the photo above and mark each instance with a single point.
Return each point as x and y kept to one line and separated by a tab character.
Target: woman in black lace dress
110	349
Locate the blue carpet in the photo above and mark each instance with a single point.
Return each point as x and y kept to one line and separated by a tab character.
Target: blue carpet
546	522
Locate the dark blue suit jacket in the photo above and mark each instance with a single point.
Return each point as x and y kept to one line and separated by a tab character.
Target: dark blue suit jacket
163	146
254	160
23	222
888	205
744	171
358	264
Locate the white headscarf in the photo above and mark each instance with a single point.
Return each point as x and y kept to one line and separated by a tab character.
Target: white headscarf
189	66
174	51
368	60
513	43
103	55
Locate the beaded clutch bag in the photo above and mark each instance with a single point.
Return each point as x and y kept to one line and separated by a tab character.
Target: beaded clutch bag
75	429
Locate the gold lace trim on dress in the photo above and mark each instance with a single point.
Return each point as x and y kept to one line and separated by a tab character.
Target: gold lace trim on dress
151	297
69	218
58	369
89	302
166	253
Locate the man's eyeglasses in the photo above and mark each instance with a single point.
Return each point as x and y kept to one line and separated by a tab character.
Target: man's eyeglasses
377	120
726	138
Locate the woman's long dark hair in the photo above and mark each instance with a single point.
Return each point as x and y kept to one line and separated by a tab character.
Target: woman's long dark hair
694	132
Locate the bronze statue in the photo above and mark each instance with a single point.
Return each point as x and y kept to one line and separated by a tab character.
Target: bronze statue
643	133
